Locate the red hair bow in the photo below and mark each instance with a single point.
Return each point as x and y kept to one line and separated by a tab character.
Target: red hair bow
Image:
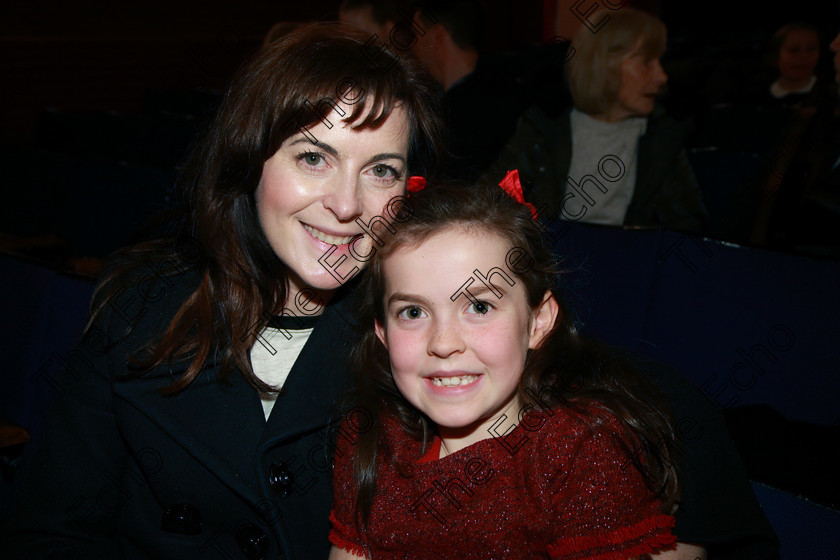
415	184
513	187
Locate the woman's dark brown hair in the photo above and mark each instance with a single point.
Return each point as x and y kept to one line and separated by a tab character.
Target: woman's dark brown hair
566	370
280	92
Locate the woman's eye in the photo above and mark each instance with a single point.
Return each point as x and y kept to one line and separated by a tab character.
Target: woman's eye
480	307
381	170
384	174
312	159
411	313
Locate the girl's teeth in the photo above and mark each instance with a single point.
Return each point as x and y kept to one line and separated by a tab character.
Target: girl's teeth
453	381
331	239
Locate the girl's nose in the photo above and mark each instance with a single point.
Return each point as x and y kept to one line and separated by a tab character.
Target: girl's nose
446	339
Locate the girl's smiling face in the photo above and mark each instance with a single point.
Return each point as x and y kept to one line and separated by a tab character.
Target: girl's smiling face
459	361
311	194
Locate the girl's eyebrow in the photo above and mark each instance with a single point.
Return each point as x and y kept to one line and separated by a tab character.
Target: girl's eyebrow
483	290
401	296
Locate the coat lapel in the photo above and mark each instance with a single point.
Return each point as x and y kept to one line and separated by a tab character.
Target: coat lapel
318	378
222	425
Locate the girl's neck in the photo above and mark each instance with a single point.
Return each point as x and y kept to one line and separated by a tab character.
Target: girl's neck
498	425
793	85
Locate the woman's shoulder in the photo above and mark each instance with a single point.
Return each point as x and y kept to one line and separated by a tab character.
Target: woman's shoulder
143	294
662	126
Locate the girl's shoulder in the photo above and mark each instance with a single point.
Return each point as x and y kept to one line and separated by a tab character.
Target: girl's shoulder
577	420
556	439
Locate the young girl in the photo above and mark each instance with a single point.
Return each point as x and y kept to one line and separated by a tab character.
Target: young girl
796	51
485	426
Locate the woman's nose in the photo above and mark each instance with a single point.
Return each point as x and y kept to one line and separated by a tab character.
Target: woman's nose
343	198
659	73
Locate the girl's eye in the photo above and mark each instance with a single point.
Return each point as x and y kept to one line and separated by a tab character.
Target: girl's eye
480	307
411	313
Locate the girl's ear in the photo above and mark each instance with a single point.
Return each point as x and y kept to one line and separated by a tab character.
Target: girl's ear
543	319
380	333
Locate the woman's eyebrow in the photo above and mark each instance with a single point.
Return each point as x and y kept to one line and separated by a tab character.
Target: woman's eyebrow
380	157
333	152
326	147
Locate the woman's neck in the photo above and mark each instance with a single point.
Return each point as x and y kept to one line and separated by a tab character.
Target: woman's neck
306	302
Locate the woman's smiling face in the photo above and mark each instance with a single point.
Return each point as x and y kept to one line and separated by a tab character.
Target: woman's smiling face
311	194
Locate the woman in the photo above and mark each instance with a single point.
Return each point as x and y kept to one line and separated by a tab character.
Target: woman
611	159
193	421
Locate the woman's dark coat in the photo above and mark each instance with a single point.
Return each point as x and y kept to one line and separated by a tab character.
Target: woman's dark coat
127	473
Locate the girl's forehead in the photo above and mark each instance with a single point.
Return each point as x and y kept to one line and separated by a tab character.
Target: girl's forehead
457	232
452	250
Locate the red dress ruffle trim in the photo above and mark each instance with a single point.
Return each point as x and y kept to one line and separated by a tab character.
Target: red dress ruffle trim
645	537
338	537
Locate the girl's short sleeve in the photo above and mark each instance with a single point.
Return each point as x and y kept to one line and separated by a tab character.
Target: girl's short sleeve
343	515
603	508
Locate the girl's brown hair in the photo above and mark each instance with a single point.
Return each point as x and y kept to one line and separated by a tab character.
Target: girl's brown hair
242	281
565	370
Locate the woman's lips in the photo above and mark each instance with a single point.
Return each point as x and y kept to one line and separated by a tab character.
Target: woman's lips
328	238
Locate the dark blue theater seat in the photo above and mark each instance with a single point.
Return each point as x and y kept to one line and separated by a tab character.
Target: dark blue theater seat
729	183
43	313
741	127
607	279
748	326
806	530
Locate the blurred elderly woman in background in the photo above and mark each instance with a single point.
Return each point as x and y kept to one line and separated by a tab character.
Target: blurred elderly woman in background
613	158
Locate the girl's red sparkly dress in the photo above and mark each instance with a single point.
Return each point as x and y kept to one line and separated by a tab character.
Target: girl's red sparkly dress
554	487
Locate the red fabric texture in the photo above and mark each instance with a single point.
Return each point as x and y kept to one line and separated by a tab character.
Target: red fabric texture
554	487
649	535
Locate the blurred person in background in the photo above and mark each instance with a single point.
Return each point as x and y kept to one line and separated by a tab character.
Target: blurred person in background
613	158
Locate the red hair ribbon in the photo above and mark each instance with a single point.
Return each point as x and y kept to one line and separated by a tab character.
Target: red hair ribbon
513	187
415	184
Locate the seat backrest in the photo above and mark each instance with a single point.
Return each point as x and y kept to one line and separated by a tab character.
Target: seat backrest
748	326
